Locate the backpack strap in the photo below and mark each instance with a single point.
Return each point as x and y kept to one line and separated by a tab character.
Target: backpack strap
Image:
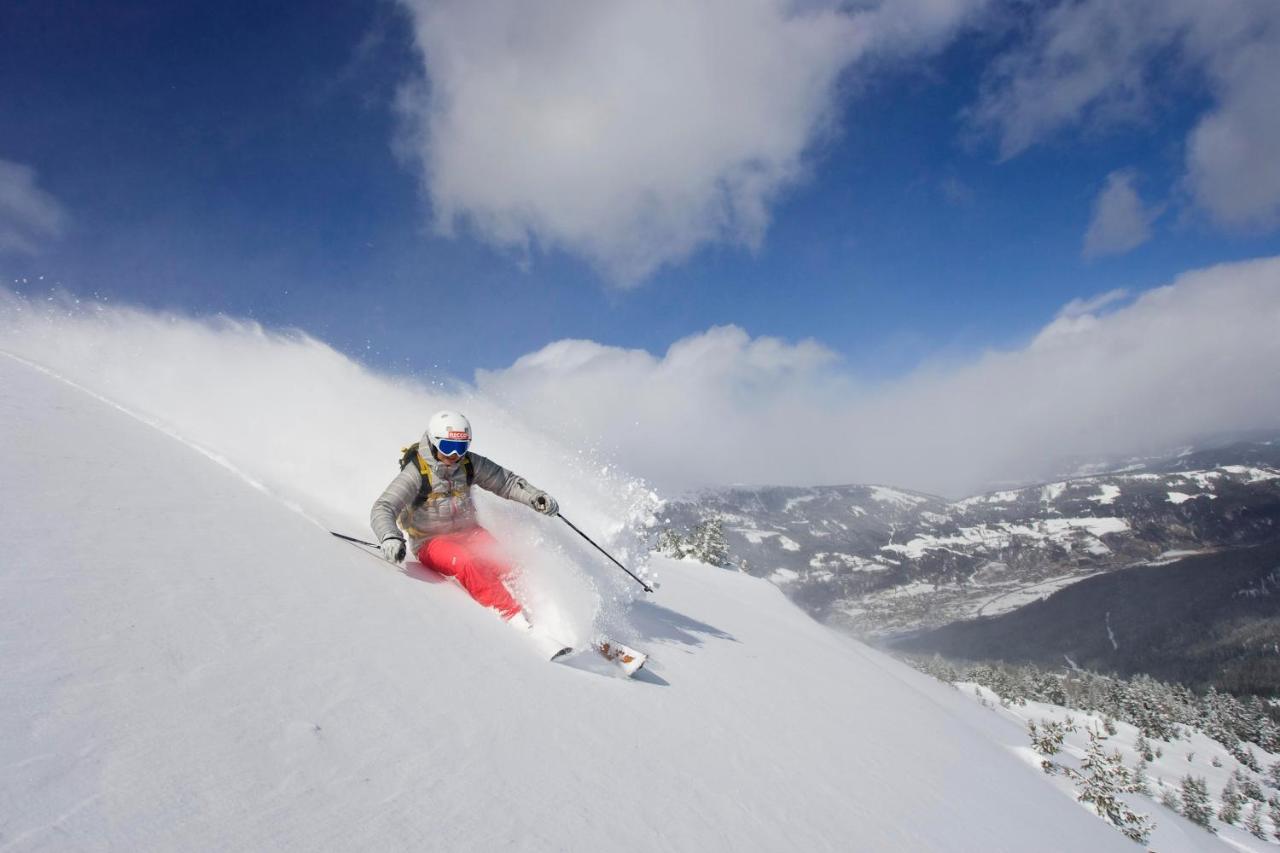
410	455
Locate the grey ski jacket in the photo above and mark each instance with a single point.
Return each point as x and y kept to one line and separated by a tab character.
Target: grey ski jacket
449	507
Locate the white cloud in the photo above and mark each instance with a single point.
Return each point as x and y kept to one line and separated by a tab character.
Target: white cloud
1106	376
1093	305
29	216
1233	155
1120	220
1097	62
1181	361
633	133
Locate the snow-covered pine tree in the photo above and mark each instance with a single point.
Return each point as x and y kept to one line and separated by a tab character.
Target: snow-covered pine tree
1101	779
709	544
1047	739
1249	787
673	544
1143	747
1230	811
1141	783
1273	812
1169	799
1195	801
1273	775
1253	821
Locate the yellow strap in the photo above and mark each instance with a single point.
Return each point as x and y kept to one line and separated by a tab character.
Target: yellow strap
424	467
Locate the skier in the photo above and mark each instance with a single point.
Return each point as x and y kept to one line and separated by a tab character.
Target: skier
430	499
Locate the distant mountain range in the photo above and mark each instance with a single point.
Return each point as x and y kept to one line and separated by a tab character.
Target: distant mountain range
886	562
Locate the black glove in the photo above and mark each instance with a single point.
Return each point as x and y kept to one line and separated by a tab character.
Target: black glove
393	549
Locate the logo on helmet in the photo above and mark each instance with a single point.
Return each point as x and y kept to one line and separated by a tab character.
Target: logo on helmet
458	435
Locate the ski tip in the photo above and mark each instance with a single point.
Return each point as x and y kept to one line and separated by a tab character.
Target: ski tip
628	660
567	650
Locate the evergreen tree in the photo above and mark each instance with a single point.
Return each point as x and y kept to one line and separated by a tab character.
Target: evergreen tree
1230	811
1101	779
1169	799
1249	787
1253	821
1195	801
1273	772
709	544
1141	784
1273	812
673	544
1143	747
1047	739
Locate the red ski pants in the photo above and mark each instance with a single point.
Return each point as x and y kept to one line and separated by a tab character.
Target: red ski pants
473	558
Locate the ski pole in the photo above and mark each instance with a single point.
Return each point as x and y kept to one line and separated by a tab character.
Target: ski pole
646	587
353	539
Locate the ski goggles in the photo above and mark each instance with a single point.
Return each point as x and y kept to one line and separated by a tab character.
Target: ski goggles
452	447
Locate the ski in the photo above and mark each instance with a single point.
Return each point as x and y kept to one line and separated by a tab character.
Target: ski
604	657
627	659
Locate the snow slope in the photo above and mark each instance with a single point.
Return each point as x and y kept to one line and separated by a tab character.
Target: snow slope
191	663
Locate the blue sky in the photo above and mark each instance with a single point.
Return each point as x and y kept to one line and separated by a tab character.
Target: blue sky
237	157
908	184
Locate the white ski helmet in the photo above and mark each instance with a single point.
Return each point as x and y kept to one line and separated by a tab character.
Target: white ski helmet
449	433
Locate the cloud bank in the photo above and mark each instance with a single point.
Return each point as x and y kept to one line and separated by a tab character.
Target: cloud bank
1099	63
29	216
1195	357
1111	374
630	134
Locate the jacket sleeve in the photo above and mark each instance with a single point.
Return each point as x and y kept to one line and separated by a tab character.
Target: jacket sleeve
507	484
398	495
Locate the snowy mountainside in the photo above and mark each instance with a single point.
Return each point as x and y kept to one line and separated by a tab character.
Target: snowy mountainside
1191	754
881	560
192	663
